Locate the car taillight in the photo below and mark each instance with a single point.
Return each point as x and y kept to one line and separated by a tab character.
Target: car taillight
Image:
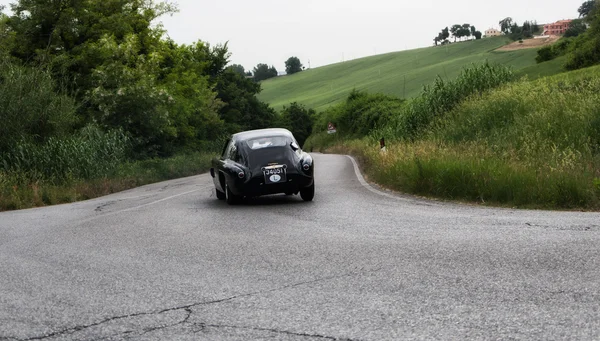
241	175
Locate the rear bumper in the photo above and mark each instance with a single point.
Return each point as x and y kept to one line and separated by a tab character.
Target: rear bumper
256	186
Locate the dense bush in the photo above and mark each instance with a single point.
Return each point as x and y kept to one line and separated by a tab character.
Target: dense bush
360	113
586	50
30	107
560	48
299	120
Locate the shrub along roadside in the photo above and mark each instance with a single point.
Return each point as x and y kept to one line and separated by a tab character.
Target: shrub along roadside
18	194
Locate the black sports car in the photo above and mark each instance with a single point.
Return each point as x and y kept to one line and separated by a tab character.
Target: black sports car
261	162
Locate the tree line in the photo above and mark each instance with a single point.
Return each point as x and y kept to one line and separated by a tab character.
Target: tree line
263	71
459	32
103	63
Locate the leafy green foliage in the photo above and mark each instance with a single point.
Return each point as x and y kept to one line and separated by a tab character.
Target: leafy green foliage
360	113
105	64
506	24
576	27
263	71
31	108
237	68
586	8
586	48
560	48
293	65
299	120
242	111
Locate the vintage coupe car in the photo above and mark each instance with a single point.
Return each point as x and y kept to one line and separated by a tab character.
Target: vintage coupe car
261	162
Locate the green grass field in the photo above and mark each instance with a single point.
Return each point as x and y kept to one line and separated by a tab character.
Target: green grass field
544	69
400	74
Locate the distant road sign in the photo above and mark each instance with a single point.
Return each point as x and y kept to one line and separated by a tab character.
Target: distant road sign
331	128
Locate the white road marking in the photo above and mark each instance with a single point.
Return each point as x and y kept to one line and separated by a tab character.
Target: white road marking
365	184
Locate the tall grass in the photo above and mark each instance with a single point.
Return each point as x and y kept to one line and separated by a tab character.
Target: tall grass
87	155
15	193
442	96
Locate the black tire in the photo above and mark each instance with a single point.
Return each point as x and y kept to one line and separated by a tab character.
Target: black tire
308	193
231	198
220	195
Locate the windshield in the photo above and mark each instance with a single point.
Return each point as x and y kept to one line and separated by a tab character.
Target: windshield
268	141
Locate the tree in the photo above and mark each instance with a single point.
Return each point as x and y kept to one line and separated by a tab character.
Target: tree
477	35
505	25
237	68
586	47
299	120
473	30
242	110
442	37
445	33
263	71
527	29
293	65
586	8
456	31
465	31
576	27
535	28
47	30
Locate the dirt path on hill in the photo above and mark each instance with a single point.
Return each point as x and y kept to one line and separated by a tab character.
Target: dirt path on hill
529	43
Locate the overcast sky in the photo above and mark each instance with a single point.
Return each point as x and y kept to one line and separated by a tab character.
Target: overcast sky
329	31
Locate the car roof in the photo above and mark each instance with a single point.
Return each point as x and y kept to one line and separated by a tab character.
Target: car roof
252	134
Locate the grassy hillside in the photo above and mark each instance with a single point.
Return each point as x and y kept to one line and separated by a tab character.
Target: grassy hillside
524	143
400	74
544	69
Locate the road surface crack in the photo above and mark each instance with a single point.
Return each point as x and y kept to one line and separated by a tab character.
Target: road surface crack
203	326
188	308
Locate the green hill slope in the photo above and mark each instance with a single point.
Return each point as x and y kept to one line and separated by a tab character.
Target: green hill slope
401	74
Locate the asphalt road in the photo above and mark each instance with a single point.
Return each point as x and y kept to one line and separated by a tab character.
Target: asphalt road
169	261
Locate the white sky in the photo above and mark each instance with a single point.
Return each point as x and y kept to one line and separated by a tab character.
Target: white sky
328	31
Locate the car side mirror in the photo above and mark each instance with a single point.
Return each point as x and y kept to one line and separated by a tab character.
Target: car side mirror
294	146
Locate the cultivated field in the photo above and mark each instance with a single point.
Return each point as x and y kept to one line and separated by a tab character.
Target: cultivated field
401	74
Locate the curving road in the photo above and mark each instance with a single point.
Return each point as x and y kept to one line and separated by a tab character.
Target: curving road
169	261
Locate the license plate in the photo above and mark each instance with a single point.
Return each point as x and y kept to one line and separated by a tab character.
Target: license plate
274	174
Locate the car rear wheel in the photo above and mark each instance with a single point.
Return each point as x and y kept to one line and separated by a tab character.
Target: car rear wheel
220	195
231	198
308	193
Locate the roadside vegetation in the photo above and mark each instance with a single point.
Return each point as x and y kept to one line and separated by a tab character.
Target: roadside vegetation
520	143
94	98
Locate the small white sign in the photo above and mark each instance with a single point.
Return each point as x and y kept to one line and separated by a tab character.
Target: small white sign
275	178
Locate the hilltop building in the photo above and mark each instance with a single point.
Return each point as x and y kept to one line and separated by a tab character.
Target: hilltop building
492	32
557	29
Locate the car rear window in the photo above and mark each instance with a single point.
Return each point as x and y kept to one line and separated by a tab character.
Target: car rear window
269	141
